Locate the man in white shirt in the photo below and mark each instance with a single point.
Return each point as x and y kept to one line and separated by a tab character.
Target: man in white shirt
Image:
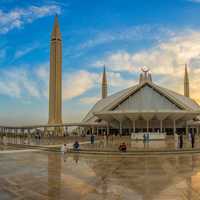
63	148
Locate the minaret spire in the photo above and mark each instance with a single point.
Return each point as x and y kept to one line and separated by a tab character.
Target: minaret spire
186	83
55	81
56	29
104	89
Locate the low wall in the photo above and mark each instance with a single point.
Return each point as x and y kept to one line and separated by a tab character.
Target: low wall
148	135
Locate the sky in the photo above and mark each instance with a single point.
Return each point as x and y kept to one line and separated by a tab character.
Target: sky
123	35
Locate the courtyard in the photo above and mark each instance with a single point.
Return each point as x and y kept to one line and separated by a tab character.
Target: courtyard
48	175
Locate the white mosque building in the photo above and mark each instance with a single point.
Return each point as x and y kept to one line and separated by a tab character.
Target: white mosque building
145	107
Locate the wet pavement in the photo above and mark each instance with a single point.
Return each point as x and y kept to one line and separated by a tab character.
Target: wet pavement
40	175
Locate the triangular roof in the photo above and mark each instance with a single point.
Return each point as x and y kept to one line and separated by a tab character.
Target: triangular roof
111	102
147	98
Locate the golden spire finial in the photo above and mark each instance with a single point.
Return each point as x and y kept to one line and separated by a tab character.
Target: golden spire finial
56	29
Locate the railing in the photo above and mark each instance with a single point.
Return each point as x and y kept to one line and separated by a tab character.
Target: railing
148	136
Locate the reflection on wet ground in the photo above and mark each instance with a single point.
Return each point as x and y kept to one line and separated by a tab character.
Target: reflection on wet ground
54	176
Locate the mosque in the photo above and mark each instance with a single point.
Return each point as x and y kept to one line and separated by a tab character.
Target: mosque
145	107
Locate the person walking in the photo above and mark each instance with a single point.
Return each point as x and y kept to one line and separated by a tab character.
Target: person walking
181	141
76	146
144	137
147	137
190	137
193	139
177	140
63	148
92	139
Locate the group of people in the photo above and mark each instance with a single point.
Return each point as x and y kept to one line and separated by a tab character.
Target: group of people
76	145
122	147
92	139
38	136
180	140
65	148
146	137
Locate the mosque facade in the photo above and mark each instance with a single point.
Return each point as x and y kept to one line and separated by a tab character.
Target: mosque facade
145	107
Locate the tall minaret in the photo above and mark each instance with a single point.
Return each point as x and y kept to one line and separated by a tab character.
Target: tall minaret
55	81
104	87
186	83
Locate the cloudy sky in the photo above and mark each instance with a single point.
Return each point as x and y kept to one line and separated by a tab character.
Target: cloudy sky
122	34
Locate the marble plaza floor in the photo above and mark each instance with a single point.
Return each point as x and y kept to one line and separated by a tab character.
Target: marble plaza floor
52	176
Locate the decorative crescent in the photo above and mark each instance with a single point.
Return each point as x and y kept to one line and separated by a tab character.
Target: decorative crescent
145	69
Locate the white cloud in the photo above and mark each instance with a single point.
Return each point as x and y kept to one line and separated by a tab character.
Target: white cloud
9	89
18	17
116	80
89	100
166	59
21	52
132	33
78	83
119	61
42	71
15	82
21	82
42	77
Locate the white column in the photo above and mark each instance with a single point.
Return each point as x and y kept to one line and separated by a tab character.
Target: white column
147	125
79	130
133	126
186	129
120	127
108	129
161	125
174	126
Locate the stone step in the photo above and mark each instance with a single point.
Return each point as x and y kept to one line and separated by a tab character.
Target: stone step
110	152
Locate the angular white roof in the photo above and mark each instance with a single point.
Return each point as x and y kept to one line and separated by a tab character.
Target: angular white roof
104	103
185	100
112	101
